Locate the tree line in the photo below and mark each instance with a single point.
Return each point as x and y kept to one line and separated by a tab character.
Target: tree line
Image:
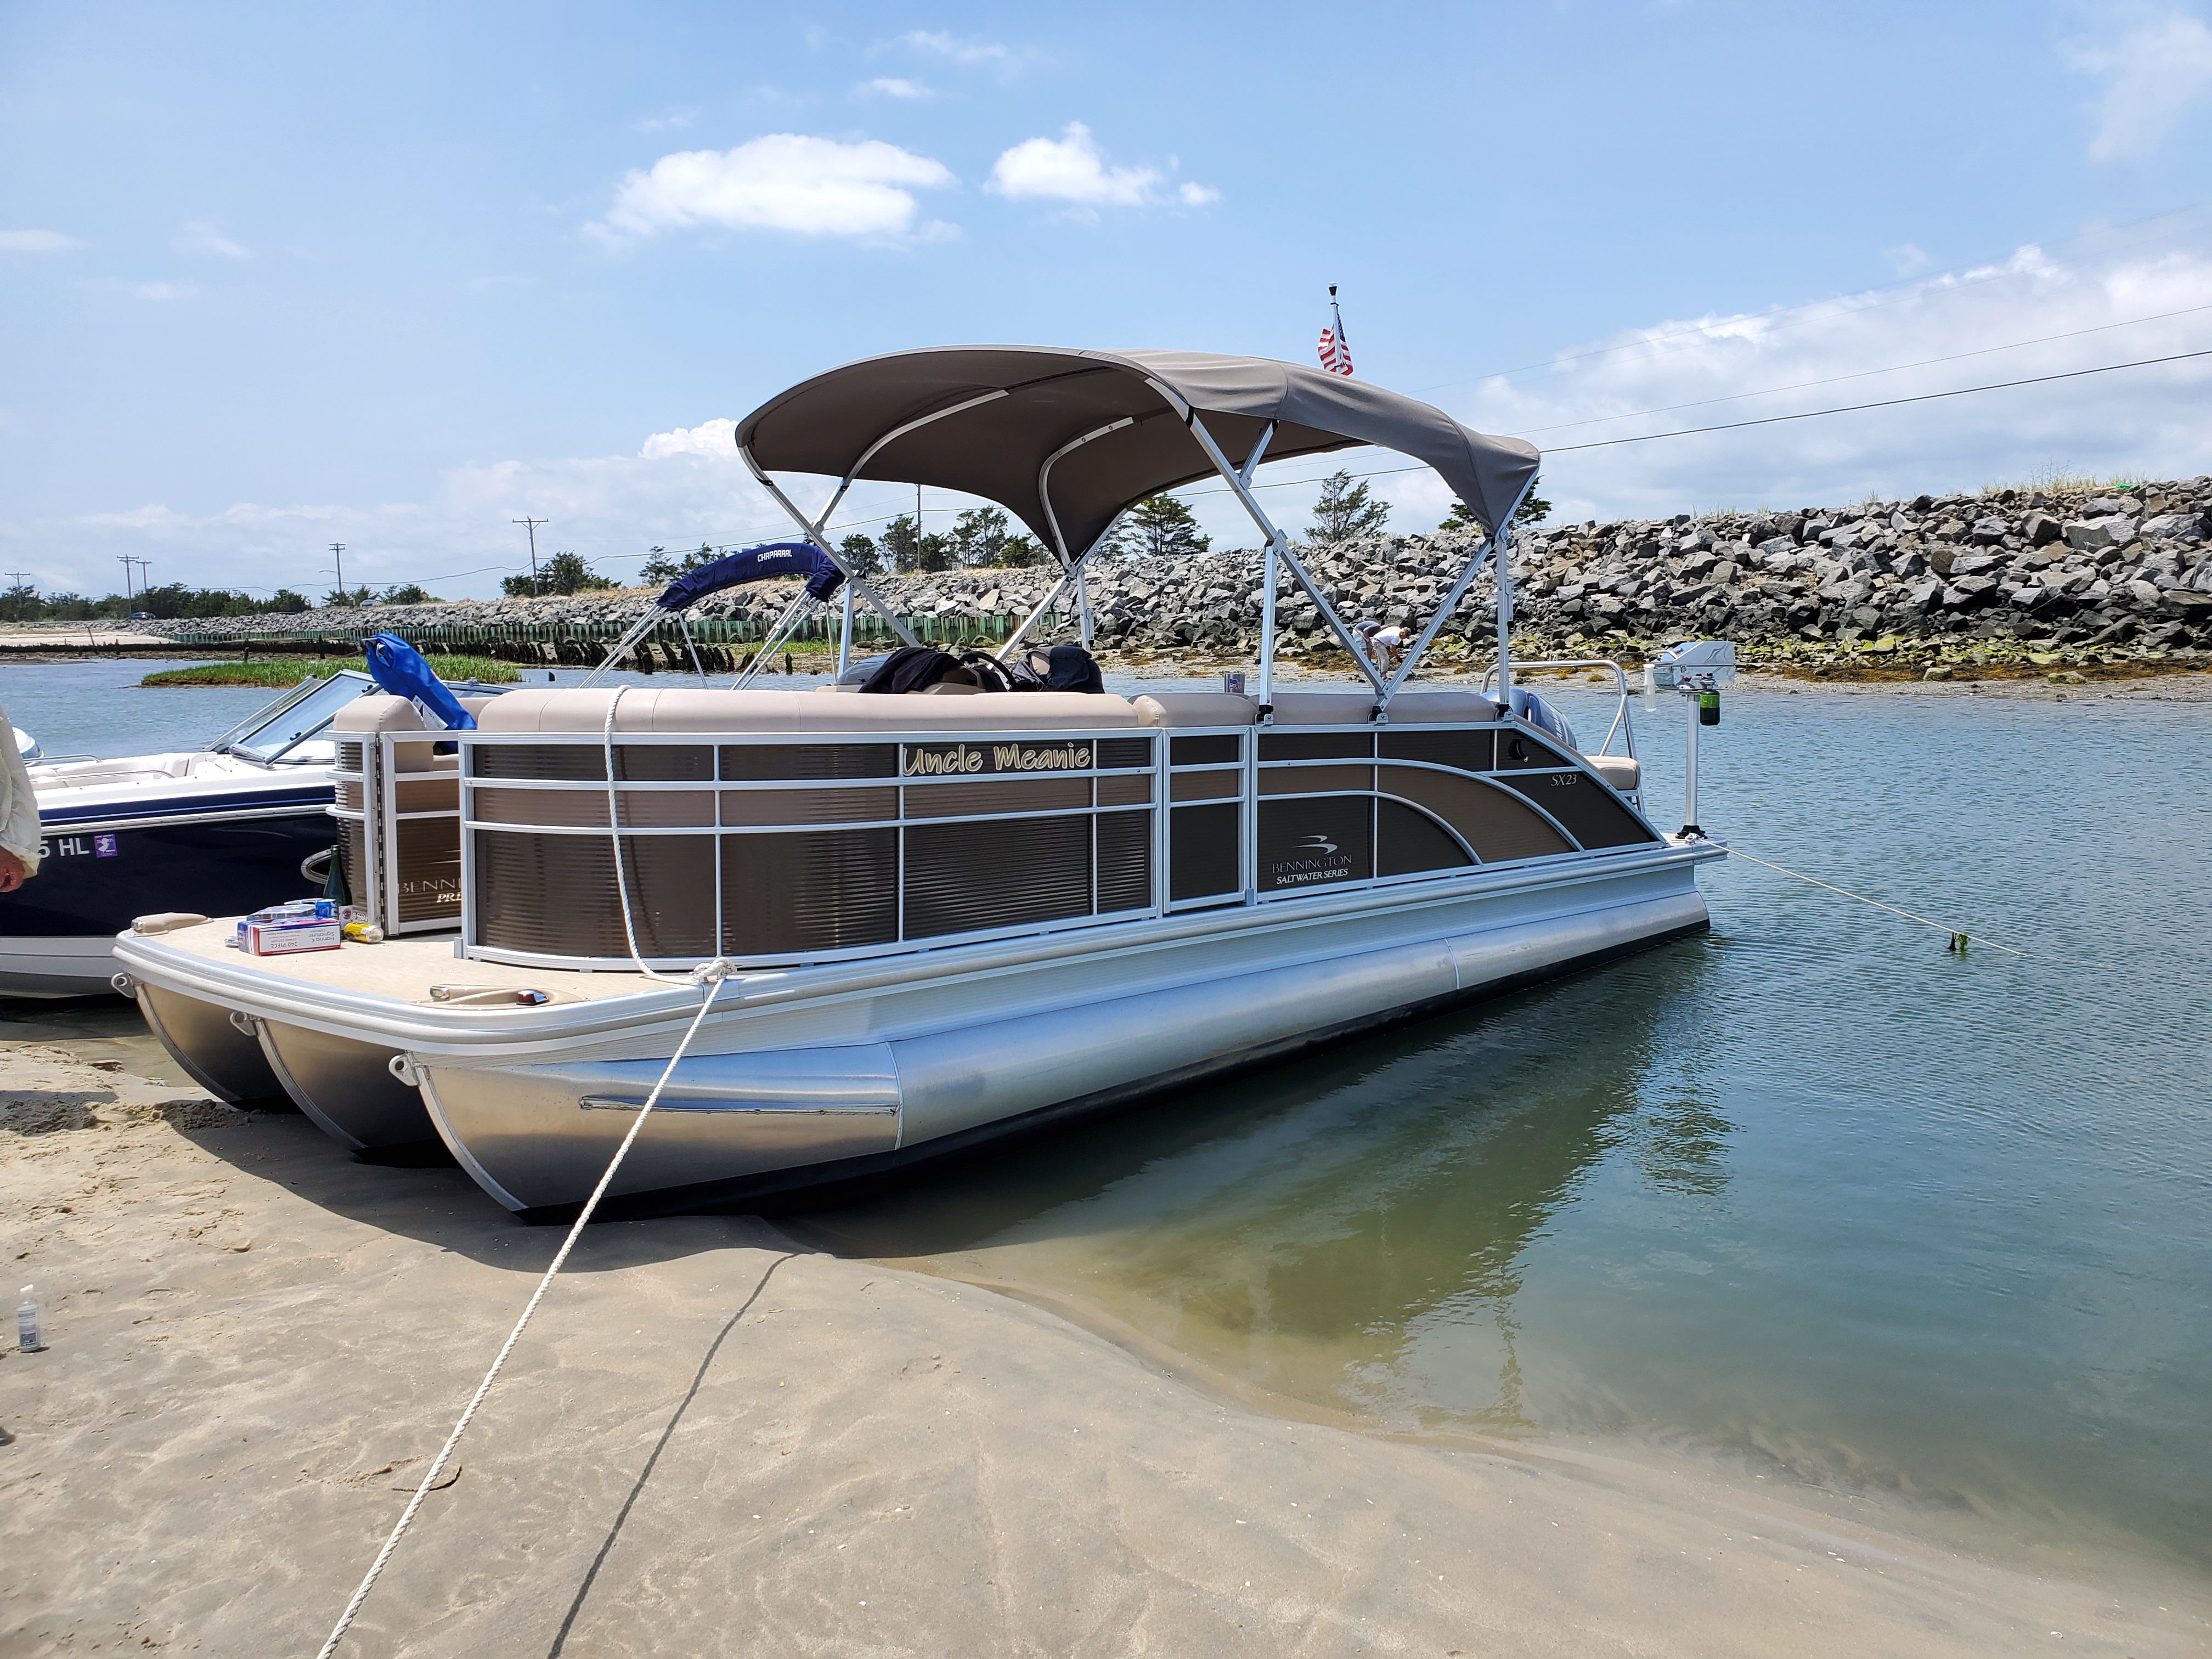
981	537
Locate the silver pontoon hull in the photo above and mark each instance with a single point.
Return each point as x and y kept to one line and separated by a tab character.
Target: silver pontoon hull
345	1086
217	1053
797	1078
745	1124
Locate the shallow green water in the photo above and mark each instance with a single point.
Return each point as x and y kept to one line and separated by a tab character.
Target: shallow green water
1807	1194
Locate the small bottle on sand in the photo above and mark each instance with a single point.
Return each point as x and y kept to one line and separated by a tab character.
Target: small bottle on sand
26	1323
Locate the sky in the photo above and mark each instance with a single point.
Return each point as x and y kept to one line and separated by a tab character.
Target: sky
396	277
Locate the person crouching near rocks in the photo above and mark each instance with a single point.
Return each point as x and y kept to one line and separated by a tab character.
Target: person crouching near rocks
19	814
1385	646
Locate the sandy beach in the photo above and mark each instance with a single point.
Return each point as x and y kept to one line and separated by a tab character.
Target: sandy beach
715	1440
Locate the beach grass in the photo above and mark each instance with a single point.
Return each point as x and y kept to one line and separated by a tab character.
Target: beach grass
278	672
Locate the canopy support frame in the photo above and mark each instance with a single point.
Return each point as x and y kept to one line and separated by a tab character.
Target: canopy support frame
820	537
1445	607
1086	629
1278	546
783	627
1496	548
1069	575
1267	579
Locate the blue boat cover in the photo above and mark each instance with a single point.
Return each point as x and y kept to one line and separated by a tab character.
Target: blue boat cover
398	667
755	564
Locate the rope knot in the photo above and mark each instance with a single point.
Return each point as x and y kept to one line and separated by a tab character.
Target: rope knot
715	972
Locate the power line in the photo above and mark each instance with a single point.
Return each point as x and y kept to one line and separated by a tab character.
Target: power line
1864	373
1802	314
1886	402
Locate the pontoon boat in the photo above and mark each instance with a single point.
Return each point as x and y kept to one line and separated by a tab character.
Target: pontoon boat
956	913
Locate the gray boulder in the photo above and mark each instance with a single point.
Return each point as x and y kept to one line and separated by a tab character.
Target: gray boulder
2174	527
2088	535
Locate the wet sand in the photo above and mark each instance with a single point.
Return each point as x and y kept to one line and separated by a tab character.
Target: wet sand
715	1440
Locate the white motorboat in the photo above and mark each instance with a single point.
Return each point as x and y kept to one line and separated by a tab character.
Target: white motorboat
956	913
217	829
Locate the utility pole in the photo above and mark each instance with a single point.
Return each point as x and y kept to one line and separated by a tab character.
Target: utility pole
530	524
128	560
337	554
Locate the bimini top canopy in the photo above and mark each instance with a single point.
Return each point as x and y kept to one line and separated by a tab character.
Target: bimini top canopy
754	564
1067	439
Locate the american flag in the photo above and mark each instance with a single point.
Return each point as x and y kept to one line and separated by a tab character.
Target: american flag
1335	349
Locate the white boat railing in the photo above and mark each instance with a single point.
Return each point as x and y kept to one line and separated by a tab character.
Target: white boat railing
403	859
1623	723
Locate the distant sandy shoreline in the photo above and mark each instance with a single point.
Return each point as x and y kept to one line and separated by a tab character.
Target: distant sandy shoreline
717	1441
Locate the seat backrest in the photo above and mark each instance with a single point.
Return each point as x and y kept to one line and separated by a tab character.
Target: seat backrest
650	709
1173	709
1357	707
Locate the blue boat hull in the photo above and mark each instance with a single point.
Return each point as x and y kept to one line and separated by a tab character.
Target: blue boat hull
98	875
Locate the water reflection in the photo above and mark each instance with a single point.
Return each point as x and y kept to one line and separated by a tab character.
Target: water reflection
1312	1228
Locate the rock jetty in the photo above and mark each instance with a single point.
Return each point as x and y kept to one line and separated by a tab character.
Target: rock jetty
2070	575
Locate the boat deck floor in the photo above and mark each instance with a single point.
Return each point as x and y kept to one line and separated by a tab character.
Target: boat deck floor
401	969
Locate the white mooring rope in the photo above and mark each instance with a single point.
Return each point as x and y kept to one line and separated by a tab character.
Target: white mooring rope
1957	936
708	975
614	826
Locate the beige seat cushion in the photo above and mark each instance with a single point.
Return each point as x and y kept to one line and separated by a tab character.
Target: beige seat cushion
1357	707
1170	708
949	689
1619	770
555	709
377	712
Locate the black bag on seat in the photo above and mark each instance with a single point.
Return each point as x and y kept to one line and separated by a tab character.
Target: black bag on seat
1055	668
910	668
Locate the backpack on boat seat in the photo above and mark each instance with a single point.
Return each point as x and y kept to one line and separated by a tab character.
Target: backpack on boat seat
1054	668
910	668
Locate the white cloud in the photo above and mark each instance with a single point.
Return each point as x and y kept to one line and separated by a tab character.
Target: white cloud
786	181
36	242
892	86
940	43
157	292
205	238
673	121
1197	195
2153	73
717	438
1905	260
1711	371
1071	168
